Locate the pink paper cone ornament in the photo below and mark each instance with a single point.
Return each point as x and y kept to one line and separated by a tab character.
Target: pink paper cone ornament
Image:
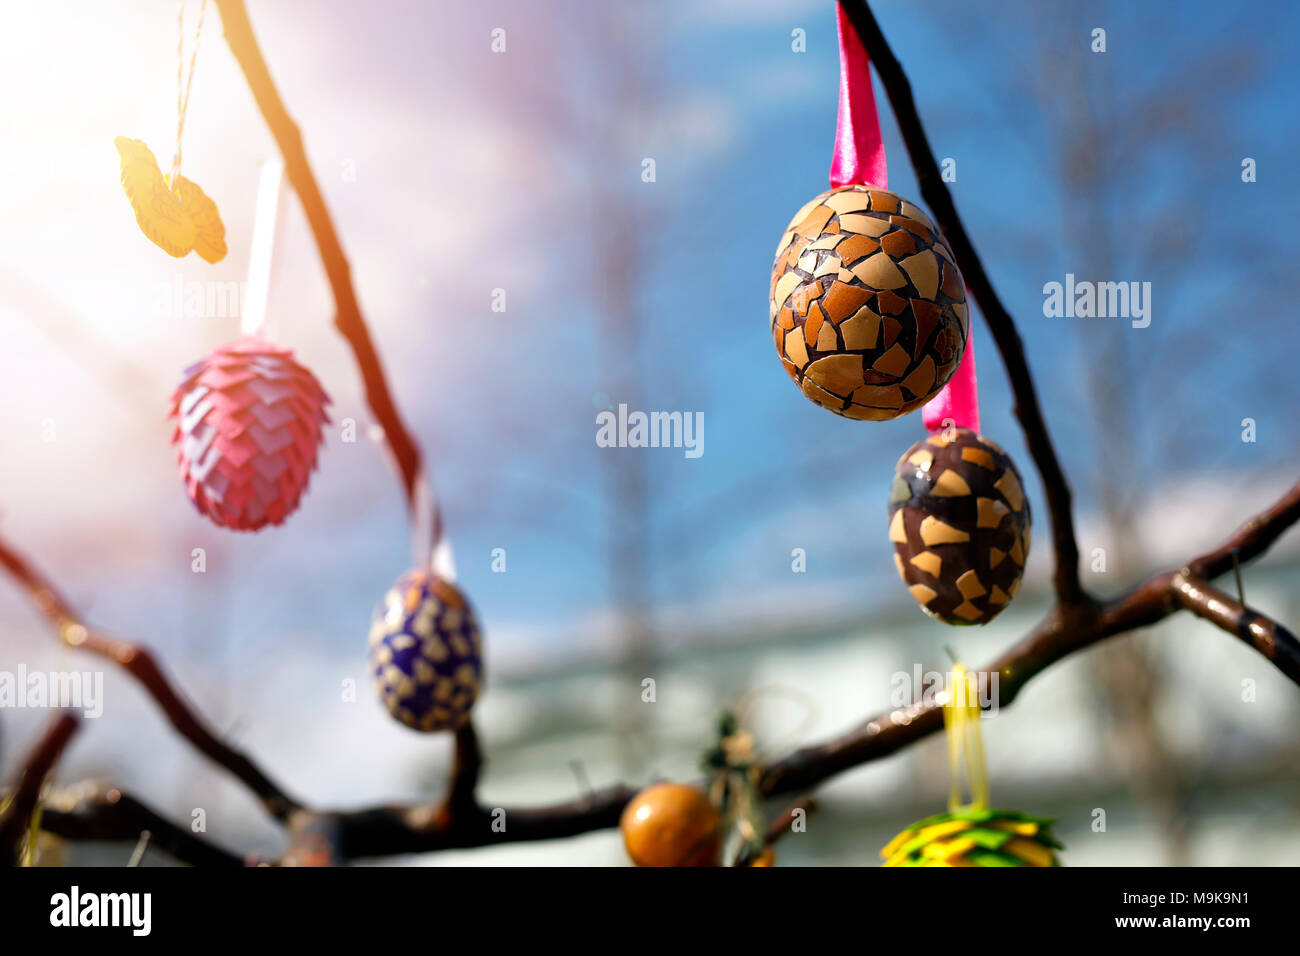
248	427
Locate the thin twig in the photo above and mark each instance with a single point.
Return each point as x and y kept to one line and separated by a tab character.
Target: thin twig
1268	637
1250	540
16	819
141	848
348	318
780	825
784	821
467	765
140	664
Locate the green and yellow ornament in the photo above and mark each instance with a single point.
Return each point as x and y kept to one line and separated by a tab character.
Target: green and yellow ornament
975	837
971	834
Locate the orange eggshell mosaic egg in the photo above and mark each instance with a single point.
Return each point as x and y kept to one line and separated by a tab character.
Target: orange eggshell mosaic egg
671	824
959	521
868	309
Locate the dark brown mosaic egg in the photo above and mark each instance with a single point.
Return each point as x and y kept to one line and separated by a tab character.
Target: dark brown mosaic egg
959	520
868	309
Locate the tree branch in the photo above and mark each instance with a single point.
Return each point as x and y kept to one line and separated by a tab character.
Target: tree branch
466	767
783	821
110	815
779	826
316	837
459	822
1266	636
426	828
1057	637
1250	540
1075	622
388	831
347	319
16	819
1069	592
140	664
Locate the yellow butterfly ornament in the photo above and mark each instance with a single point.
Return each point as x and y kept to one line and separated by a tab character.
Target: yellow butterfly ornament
172	211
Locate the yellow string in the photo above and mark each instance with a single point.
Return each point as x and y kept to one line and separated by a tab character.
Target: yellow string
183	82
961	722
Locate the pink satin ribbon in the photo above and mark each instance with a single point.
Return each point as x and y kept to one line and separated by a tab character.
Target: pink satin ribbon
859	159
859	151
958	403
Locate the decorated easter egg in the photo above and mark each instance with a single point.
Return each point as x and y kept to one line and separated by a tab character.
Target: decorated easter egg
868	309
671	824
426	652
975	837
959	521
248	427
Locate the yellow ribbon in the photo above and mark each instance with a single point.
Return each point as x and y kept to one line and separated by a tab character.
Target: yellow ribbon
961	722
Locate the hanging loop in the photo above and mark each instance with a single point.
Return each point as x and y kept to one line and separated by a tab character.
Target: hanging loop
183	83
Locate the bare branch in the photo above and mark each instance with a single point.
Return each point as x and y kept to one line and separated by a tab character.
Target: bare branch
419	829
458	821
317	837
1069	592
779	826
387	831
347	319
110	815
140	664
16	819
465	770
1266	636
783	821
1057	637
1075	622
1250	540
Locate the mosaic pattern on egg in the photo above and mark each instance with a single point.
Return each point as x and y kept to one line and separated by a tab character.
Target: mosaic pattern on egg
868	309
426	653
959	520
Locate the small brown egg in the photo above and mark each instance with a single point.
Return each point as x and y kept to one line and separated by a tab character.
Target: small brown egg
959	521
671	824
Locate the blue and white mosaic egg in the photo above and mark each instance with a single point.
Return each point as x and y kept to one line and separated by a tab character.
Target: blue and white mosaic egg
426	652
